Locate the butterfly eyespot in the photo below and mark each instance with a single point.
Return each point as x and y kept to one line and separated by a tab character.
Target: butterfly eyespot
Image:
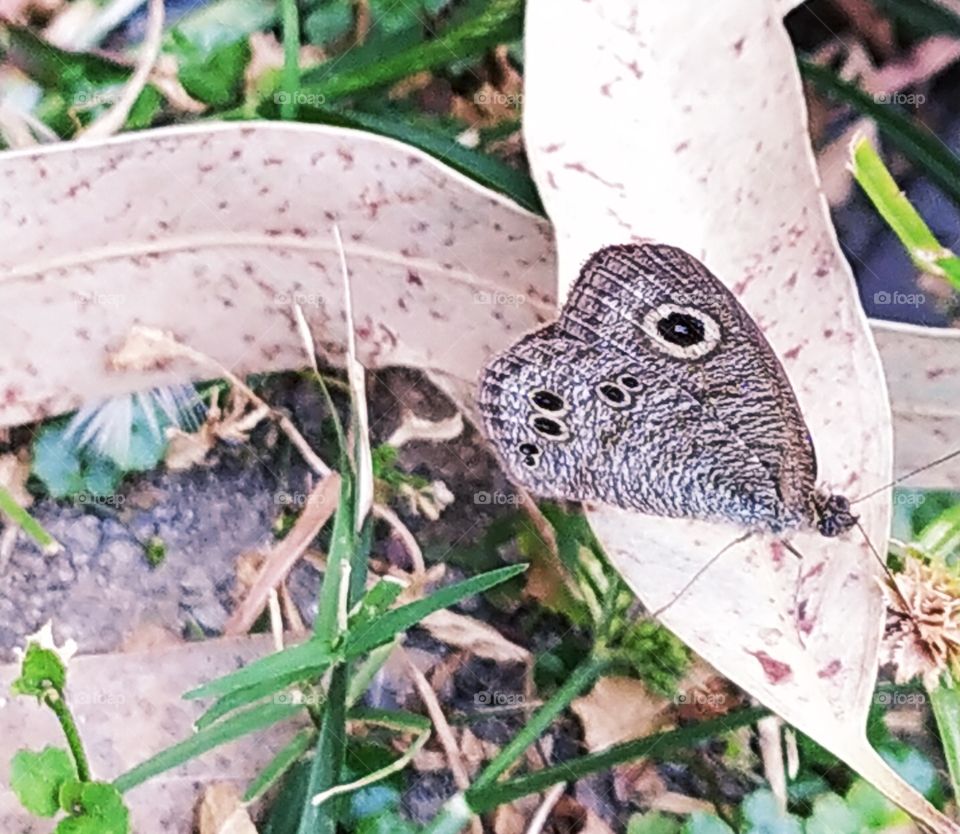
530	460
629	382
549	427
529	449
683	332
547	401
613	394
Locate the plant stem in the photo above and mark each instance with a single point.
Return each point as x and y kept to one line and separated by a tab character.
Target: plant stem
290	78
945	700
582	677
55	700
19	516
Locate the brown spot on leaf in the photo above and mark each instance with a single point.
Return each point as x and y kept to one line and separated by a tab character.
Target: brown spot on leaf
776	670
830	669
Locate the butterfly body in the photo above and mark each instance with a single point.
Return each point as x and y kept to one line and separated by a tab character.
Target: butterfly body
656	391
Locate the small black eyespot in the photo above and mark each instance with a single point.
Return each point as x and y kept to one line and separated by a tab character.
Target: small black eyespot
530	460
547	400
628	381
612	393
548	426
681	329
528	449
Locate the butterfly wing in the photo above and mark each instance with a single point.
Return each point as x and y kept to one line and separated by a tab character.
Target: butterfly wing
653	391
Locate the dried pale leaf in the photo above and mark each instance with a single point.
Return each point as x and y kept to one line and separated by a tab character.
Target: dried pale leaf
475	751
186	450
508	819
244	264
744	197
147	348
430	761
922	368
619	709
414	427
475	636
222	811
319	506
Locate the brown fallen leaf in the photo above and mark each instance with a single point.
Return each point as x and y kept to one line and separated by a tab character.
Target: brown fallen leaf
188	449
620	709
221	811
320	505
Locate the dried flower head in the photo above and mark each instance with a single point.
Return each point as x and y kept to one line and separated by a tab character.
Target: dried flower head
922	635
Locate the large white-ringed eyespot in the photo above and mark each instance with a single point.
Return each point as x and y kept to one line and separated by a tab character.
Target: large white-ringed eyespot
683	332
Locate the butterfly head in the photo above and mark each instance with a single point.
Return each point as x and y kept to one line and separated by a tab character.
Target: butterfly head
833	516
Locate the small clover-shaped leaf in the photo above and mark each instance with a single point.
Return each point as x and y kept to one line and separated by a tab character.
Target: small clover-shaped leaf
94	808
40	670
36	778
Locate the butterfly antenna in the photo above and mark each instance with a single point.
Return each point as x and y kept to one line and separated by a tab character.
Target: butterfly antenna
700	573
791	548
903	478
891	579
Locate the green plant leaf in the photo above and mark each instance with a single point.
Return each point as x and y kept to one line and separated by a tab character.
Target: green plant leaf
19	516
385	627
215	79
247	695
762	814
36	778
377	64
244	723
927	16
893	206
831	815
701	823
293	664
288	756
329	22
652	823
40	670
923	148
56	463
94	808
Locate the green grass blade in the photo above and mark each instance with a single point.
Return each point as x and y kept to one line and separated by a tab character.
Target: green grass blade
327	765
488	797
343	542
945	702
370	67
893	206
941	537
914	141
290	75
582	677
19	516
928	16
307	660
280	764
239	698
254	719
400	619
